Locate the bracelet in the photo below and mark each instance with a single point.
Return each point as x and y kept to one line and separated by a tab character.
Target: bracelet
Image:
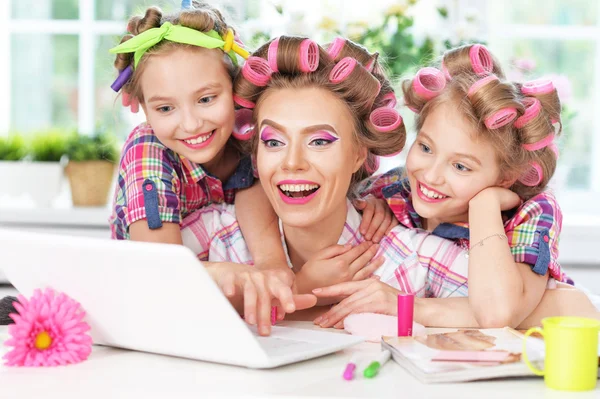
480	242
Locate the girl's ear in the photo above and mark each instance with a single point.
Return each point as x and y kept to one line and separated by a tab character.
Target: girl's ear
508	180
361	156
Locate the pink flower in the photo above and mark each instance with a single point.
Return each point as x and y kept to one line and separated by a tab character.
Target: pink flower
525	64
48	331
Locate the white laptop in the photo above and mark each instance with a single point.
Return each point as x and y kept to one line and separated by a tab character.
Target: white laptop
153	297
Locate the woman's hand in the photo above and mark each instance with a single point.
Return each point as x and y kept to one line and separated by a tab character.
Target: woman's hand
377	218
367	296
337	264
261	289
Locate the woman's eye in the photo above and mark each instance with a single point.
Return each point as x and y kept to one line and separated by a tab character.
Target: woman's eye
207	99
461	168
165	109
272	143
425	148
320	142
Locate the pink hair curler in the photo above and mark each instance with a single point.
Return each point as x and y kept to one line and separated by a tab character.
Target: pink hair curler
371	64
256	70
242	102
538	145
389	100
480	83
336	47
532	109
539	86
429	82
385	119
130	102
533	176
446	73
413	109
243	129
272	55
342	70
481	60
501	118
372	164
309	56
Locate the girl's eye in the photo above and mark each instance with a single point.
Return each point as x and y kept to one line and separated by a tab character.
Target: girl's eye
320	142
207	99
272	143
165	109
461	168
425	148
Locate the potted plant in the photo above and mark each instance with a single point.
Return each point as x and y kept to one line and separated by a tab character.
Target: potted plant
12	151
91	167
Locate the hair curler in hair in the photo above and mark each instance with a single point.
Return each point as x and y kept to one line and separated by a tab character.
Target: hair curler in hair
446	73
256	70
501	118
123	78
429	83
538	145
555	150
533	176
336	47
389	100
532	109
481	59
385	119
243	129
342	70
480	83
242	102
272	55
538	86
309	56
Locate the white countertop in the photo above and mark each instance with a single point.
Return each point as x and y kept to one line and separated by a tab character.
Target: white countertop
114	373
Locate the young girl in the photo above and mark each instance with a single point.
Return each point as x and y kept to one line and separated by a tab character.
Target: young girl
179	68
477	173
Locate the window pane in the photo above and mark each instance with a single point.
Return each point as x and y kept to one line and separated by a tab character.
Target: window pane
545	12
44	94
110	114
45	9
575	61
122	10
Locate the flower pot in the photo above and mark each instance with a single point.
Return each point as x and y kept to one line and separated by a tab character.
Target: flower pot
90	182
40	180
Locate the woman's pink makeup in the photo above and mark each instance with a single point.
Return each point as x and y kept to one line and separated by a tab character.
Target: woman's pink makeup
325	135
268	133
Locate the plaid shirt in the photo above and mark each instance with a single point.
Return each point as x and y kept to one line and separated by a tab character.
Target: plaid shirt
533	229
415	261
159	185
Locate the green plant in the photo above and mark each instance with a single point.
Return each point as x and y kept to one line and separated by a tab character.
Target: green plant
47	146
12	147
98	147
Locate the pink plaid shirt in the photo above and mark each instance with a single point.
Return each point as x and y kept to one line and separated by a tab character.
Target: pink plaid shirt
159	185
415	261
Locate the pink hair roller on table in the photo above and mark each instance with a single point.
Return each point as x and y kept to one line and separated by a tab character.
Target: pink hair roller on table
257	71
532	109
309	56
243	129
429	83
481	60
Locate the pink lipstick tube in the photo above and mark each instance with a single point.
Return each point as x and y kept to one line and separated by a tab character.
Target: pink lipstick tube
406	304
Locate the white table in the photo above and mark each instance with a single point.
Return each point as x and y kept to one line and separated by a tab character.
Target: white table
113	373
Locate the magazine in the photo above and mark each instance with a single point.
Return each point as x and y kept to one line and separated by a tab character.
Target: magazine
457	355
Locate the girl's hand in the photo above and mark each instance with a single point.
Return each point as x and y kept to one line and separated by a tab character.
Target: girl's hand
377	218
337	264
367	296
505	198
261	289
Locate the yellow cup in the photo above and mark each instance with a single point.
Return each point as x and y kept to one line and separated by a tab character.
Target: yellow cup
571	361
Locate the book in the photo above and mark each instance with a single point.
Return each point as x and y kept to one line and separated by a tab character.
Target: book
459	355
